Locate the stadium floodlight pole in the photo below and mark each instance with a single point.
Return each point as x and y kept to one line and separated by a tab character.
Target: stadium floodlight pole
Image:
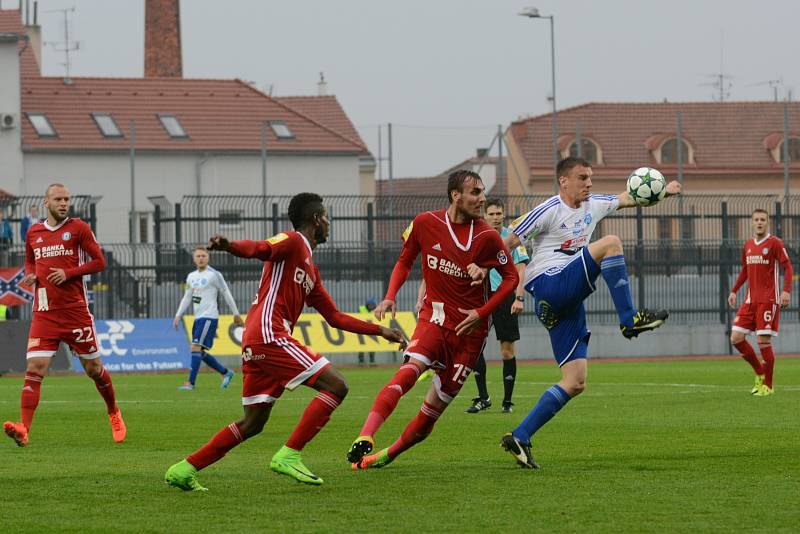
264	128
533	13
132	230
785	149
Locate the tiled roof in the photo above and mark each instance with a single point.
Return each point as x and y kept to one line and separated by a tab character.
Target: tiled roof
432	185
11	22
217	115
729	136
325	110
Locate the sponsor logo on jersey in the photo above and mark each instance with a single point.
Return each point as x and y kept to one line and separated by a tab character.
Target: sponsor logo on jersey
51	251
407	231
757	260
765	251
588	218
38	240
433	262
248	356
277	238
33	342
438	247
446	266
301	277
563	226
66	236
502	258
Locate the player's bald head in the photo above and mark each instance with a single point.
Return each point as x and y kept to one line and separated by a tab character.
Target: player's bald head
52	188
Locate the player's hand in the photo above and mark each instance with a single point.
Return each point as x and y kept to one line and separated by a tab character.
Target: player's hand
57	277
29	280
673	188
785	299
517	307
394	335
218	242
469	324
384	307
175	322
477	274
237	320
732	300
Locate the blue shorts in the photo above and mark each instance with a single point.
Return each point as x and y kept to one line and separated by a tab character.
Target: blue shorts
559	293
204	330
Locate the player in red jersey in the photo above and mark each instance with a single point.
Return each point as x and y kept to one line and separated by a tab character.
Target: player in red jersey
57	252
272	359
452	326
760	312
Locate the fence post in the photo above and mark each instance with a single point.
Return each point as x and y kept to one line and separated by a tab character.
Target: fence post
724	268
274	218
778	219
93	217
641	298
178	226
370	238
157	239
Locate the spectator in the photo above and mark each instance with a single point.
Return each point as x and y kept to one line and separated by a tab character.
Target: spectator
6	236
28	221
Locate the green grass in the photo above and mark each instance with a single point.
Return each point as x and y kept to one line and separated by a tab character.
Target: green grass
651	446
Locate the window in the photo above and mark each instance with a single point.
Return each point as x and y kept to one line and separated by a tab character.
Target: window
230	218
107	124
588	150
794	149
281	130
42	125
669	151
173	126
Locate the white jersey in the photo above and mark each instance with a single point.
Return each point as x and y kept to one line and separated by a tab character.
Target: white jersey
558	232
202	288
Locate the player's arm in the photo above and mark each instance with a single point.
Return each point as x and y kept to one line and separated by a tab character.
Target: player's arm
320	300
627	201
788	275
273	249
740	280
183	306
521	260
30	264
420	297
222	286
89	244
400	273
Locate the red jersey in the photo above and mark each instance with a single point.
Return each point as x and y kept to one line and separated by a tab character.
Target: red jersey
448	248
760	261
70	246
289	281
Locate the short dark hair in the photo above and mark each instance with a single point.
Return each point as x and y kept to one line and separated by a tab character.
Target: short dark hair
495	201
760	210
303	207
455	182
566	164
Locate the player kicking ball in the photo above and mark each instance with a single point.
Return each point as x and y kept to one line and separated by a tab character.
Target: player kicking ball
56	252
452	326
562	274
273	360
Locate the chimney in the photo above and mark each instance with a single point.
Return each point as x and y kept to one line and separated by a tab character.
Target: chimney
34	32
162	39
322	85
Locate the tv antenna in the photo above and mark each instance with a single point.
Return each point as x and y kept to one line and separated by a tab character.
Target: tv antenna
65	45
721	81
774	84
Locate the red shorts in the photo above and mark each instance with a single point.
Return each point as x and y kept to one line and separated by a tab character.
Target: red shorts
73	326
759	319
452	357
284	364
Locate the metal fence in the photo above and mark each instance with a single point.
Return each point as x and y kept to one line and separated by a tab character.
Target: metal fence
683	254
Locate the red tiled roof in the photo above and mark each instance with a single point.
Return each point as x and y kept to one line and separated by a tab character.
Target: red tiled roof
217	115
5	195
727	136
325	110
11	22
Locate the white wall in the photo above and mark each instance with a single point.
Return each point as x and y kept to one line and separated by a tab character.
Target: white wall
175	175
10	140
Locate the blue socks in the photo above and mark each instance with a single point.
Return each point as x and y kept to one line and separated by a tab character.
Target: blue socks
616	276
214	363
549	404
195	367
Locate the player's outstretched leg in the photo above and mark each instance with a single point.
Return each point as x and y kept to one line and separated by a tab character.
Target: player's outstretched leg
385	403
416	431
29	401
520	450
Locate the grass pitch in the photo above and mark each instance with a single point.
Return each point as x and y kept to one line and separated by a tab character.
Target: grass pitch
650	446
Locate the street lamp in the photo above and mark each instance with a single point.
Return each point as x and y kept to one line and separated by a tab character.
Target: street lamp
533	13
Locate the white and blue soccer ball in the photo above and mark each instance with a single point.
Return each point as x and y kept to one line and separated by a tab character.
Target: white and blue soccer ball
647	186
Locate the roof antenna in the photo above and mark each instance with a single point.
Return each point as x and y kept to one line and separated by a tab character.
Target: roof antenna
66	45
322	85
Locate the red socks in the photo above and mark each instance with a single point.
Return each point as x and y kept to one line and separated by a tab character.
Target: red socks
389	396
220	444
29	399
317	414
416	431
769	362
106	390
746	349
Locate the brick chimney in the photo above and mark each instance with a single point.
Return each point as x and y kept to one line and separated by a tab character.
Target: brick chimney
162	39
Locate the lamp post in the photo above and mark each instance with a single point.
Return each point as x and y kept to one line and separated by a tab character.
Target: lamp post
533	13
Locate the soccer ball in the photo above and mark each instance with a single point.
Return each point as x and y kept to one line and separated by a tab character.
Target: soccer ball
647	186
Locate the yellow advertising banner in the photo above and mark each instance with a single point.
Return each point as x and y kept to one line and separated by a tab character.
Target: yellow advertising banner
312	331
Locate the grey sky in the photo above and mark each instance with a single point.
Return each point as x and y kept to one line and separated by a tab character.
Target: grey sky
452	69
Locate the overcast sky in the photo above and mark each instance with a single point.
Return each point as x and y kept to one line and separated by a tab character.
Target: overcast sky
447	72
